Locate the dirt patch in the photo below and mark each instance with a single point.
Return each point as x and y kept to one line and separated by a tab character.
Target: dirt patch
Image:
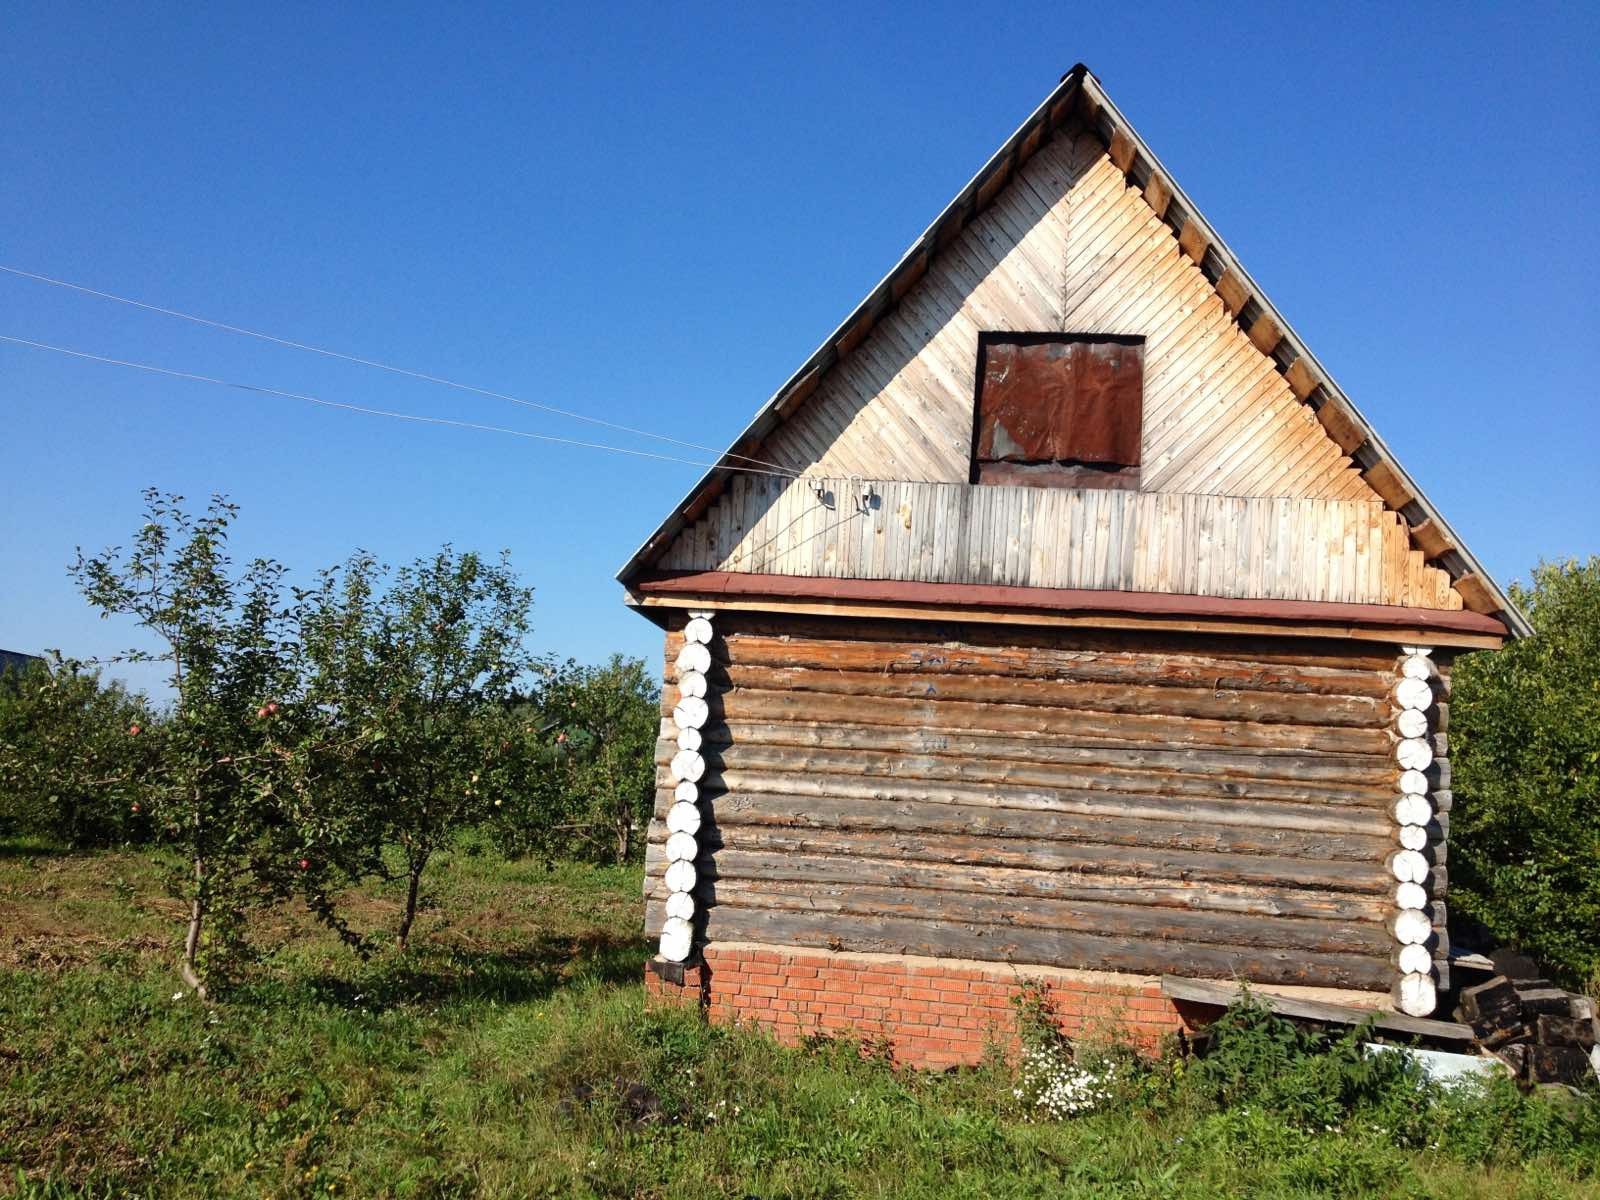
631	1104
58	951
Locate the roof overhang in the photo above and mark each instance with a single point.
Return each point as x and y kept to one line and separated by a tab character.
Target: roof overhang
660	592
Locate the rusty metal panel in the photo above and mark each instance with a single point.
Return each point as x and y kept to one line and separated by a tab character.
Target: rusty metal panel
1023	388
1069	403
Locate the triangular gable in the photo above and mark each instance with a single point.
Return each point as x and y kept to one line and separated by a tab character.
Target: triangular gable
1067	245
1075	226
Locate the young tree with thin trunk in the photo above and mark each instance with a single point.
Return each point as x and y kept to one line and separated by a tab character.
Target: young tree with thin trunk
221	760
418	670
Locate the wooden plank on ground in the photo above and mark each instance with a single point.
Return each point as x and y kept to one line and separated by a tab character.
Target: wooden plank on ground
1201	991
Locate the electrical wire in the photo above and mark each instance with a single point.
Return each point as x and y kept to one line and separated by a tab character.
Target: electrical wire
375	412
382	366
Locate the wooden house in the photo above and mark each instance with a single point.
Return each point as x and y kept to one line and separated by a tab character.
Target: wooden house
1059	618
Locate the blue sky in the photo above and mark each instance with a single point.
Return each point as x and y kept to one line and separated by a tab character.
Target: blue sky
654	213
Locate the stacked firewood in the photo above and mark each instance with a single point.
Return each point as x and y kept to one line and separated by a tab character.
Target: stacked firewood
1543	1033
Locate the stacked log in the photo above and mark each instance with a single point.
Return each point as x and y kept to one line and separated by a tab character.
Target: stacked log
687	767
1541	1032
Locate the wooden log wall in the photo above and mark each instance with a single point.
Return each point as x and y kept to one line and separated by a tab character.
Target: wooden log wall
1134	802
1262	548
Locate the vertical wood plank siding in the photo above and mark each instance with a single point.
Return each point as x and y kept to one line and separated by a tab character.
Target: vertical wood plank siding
1252	548
1133	802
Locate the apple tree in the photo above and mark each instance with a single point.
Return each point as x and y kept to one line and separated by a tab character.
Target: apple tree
221	757
1525	745
415	673
595	737
75	752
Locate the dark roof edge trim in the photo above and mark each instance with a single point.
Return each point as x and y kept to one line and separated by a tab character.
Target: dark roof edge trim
1061	600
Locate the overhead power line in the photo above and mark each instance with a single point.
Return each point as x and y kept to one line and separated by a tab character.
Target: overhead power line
376	412
382	366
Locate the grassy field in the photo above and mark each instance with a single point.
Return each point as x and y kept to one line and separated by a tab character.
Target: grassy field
510	1054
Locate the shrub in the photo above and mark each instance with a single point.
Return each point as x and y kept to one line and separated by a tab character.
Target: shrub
1492	1122
1311	1080
1264	1068
1525	738
1054	1079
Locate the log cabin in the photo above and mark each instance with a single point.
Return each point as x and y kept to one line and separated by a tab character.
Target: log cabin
1059	619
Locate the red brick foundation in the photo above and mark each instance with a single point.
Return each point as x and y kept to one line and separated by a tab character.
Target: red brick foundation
931	1012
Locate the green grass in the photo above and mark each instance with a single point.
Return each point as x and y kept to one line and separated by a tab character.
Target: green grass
496	1060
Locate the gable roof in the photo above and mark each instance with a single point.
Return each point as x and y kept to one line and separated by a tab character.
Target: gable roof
1080	98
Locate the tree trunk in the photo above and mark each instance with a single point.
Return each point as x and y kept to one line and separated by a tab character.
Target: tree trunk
624	841
188	969
413	883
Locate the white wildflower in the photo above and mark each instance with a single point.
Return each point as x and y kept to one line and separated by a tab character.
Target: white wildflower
1061	1088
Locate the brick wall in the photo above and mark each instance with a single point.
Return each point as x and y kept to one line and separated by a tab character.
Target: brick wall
932	1012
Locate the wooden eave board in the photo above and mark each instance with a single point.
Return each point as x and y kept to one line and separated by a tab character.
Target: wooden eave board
1100	608
957	238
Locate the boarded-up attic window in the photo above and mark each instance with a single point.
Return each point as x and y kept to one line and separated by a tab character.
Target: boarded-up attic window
1058	410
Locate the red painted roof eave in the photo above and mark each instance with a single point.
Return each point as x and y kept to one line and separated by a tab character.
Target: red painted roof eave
1058	600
